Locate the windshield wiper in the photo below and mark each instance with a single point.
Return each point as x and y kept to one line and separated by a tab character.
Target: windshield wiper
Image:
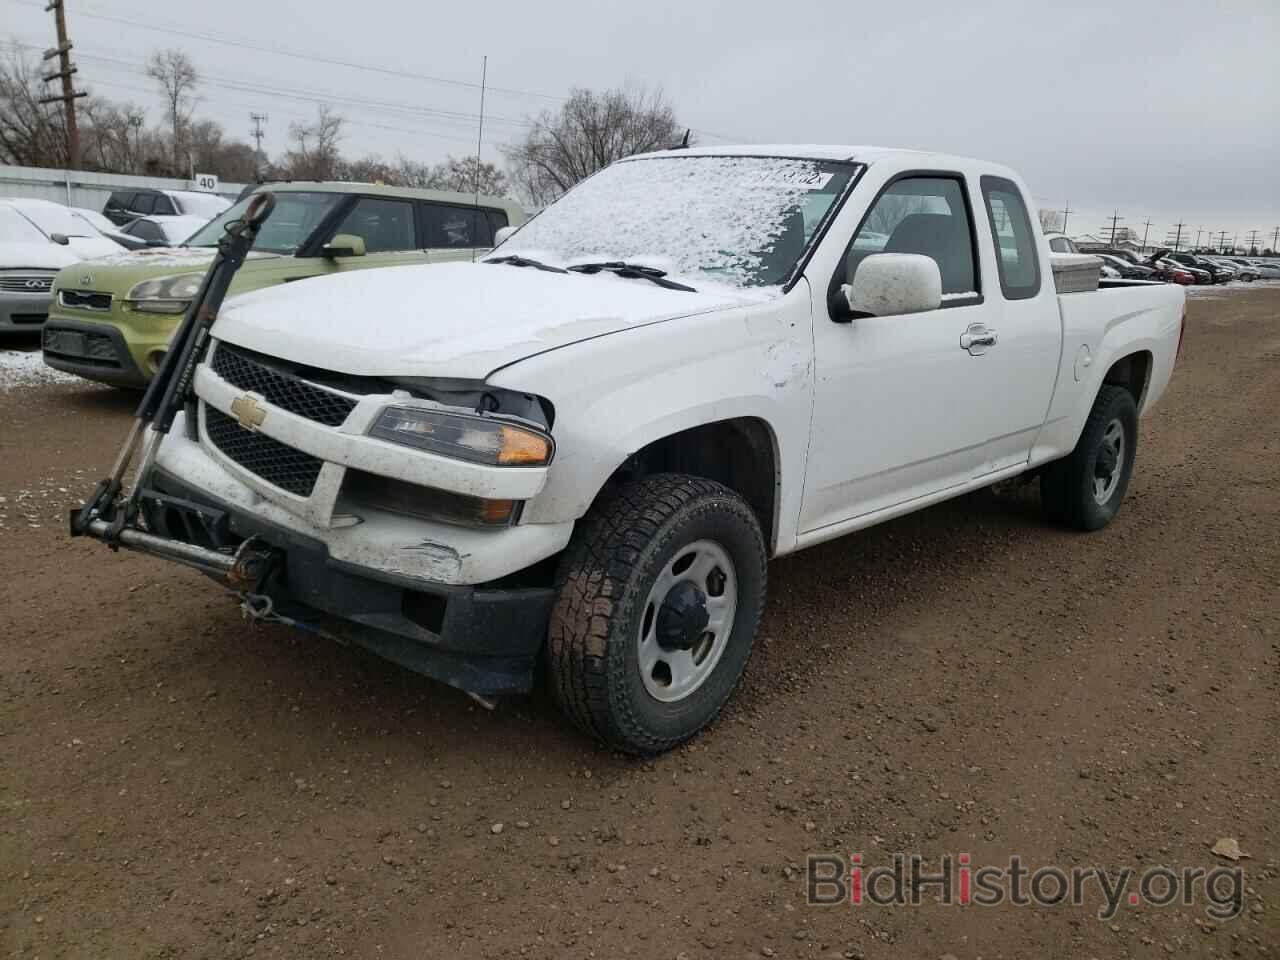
518	261
632	271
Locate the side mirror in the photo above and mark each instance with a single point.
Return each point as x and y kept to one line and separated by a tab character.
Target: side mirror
60	238
501	235
888	284
344	245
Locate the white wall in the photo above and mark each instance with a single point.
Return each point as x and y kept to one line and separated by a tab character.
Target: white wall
78	188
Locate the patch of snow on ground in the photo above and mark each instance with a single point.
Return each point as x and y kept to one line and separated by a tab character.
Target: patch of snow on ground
25	368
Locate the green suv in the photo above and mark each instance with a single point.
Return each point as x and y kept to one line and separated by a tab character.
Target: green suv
111	318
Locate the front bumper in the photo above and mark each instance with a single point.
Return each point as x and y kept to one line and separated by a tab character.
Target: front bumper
481	639
95	351
23	311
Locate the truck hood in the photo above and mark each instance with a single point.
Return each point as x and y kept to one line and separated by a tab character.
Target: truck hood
461	320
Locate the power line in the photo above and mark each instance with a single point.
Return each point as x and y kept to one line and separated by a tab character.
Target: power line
258	120
1174	238
1115	220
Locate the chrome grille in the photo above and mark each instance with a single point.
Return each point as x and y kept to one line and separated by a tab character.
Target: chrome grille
281	388
279	465
26	282
85	300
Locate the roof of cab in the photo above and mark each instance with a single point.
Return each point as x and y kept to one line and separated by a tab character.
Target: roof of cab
382	190
817	151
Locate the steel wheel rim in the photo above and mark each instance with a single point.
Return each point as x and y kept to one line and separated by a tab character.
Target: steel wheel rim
1109	464
672	673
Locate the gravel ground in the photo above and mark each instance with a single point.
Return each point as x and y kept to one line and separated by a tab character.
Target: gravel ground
967	680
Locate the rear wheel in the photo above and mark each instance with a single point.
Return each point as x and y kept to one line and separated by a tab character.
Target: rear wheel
660	599
1084	490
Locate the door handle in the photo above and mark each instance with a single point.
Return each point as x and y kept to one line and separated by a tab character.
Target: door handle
977	339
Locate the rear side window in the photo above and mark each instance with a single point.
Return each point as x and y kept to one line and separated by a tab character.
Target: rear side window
164	206
457	227
146	230
144	203
925	215
386	226
1060	245
1016	258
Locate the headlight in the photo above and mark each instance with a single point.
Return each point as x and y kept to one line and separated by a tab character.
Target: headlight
165	294
478	439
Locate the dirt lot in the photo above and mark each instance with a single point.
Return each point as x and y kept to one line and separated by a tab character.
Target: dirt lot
966	680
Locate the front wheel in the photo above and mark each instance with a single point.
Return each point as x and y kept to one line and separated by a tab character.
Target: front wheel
1084	490
660	598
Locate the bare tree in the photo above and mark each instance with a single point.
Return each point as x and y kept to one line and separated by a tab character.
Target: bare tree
463	175
590	131
1051	221
177	76
315	153
29	135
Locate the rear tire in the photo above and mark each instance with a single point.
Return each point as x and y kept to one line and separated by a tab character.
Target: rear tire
661	592
1084	490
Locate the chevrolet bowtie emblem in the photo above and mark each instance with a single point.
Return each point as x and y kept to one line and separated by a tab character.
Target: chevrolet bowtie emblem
248	412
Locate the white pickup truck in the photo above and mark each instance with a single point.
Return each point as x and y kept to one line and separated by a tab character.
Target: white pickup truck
584	449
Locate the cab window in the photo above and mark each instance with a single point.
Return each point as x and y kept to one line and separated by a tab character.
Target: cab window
451	226
1016	259
386	226
924	215
144	204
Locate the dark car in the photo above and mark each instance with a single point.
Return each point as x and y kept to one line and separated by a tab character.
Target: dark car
1211	273
125	206
1127	269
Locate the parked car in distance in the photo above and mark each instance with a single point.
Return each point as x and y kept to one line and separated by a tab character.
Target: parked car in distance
157	231
1098	249
1266	269
1244	270
60	226
1125	267
1188	262
112	323
582	451
105	227
1171	272
126	205
1061	243
28	262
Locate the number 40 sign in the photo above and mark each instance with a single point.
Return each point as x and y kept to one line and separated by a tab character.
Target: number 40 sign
206	182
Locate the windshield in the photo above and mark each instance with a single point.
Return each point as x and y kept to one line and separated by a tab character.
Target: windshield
746	221
54	219
15	228
295	217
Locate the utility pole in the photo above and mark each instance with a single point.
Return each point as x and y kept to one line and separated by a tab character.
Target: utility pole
258	120
69	95
1115	220
1146	228
1065	211
1253	243
1175	237
1222	239
1275	239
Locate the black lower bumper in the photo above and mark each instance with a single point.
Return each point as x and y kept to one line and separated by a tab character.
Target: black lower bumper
479	639
95	351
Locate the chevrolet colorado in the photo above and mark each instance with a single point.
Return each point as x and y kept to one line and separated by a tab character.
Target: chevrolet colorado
584	449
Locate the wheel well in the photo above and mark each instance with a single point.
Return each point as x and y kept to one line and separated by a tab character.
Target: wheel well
1133	373
739	453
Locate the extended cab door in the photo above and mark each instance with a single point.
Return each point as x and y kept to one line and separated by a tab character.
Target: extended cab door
1022	308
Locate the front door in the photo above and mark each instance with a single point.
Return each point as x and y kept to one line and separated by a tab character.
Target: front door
901	401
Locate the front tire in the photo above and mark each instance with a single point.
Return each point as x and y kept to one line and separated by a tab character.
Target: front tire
1084	490
660	598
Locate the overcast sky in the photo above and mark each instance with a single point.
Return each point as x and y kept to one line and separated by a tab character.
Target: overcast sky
1167	110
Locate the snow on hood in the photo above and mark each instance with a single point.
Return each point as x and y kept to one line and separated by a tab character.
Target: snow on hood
183	258
460	320
92	248
38	256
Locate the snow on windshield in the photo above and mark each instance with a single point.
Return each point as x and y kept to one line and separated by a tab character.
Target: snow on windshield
738	220
15	228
